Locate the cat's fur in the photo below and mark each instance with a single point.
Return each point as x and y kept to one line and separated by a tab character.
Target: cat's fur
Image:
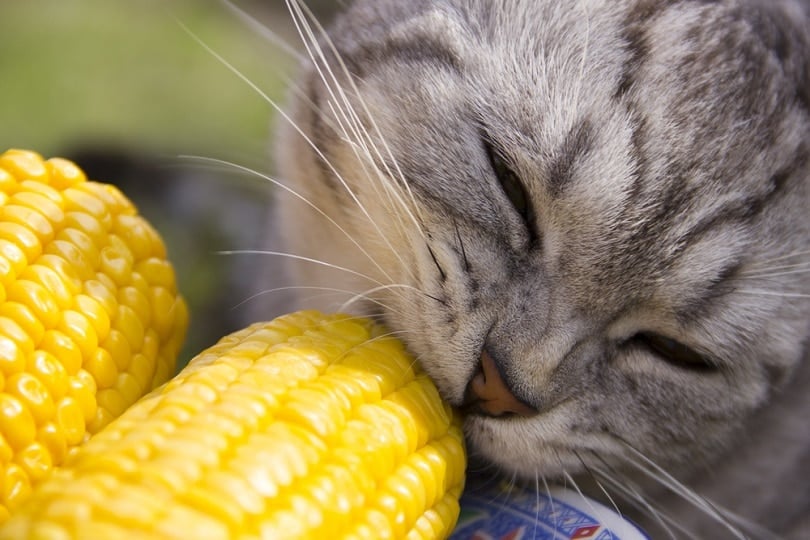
663	148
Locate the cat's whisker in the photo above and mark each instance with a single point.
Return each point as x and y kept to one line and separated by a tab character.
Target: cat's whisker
536	503
771	274
299	258
599	484
334	290
636	498
280	111
547	488
297	195
659	474
762	292
783	257
391	204
758	268
262	30
586	500
366	295
299	8
350	121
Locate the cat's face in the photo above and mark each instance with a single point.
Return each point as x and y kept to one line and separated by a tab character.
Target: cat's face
606	199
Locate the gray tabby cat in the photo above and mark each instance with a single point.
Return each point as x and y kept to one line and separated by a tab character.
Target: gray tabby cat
591	222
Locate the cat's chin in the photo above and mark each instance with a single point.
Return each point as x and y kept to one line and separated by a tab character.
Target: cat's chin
519	449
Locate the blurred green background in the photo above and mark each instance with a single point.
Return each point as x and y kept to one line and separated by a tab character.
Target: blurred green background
123	89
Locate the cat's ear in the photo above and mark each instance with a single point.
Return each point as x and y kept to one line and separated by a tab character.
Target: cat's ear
783	28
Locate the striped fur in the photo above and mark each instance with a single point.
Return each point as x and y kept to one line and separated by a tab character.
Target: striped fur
663	149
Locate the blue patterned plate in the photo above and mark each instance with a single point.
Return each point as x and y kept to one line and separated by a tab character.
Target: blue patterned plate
493	512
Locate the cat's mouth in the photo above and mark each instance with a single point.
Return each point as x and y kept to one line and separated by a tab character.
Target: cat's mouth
488	393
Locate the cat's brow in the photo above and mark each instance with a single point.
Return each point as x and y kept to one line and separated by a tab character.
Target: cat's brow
420	49
577	143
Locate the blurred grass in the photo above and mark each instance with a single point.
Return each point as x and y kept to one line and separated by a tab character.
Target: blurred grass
127	74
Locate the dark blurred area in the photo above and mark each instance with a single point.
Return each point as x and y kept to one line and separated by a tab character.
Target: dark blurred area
201	208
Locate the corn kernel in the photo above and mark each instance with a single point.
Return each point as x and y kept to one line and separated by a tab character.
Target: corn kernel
73	257
126	321
137	235
42	203
270	432
37	298
16	422
14	260
24	165
14	486
6	453
83	243
13	331
50	372
35	461
87	224
141	369
25	319
78	200
33	395
137	301
116	264
101	366
64	173
83	390
8	184
95	313
62	347
58	288
70	417
29	219
12	358
23	238
55	440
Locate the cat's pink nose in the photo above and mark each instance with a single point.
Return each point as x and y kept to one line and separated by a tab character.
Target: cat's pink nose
490	394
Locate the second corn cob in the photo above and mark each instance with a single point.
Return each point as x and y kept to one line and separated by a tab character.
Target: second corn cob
310	426
90	316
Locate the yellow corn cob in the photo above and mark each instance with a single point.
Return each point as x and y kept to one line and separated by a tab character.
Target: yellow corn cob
309	426
90	318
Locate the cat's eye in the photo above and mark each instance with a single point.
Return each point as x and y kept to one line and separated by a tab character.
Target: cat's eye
674	352
510	183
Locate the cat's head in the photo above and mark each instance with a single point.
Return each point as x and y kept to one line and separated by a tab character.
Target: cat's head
607	199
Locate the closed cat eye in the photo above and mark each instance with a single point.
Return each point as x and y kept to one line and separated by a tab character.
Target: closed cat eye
510	183
674	352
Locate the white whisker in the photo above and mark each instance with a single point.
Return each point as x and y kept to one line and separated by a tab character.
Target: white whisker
365	294
348	114
291	191
762	292
278	109
551	502
302	7
771	273
299	258
658	473
334	290
638	500
586	500
262	30
783	257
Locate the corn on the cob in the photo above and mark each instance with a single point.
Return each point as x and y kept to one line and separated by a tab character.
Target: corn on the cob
90	318
309	426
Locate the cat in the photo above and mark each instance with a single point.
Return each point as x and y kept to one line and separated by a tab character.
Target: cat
590	221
